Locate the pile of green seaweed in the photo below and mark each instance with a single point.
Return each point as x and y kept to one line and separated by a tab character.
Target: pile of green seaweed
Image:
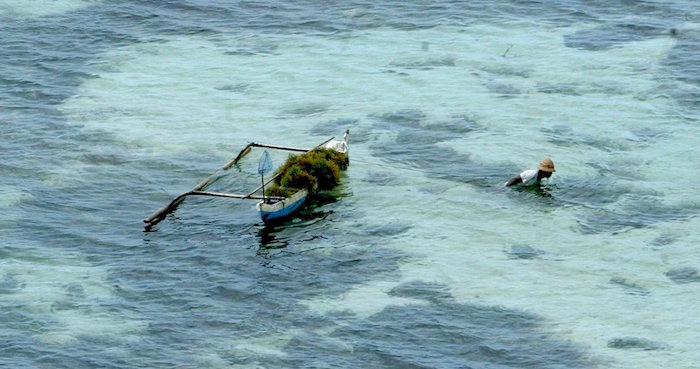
315	170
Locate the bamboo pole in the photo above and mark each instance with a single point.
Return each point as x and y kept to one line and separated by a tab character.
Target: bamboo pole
157	215
234	195
287	148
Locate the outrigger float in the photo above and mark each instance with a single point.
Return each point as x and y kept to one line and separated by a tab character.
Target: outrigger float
271	207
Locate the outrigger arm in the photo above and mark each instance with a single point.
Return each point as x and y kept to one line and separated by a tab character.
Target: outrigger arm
160	214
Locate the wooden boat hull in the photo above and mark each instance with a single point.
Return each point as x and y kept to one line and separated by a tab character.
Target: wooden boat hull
283	208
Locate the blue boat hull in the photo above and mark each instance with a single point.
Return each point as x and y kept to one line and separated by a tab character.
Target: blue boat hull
282	209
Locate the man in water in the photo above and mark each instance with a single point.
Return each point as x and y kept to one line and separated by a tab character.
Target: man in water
534	176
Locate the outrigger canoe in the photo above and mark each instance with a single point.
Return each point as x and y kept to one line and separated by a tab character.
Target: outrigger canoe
271	208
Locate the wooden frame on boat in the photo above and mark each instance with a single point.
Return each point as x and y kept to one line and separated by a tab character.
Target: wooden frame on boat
270	207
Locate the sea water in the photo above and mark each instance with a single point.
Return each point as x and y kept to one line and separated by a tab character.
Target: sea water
421	258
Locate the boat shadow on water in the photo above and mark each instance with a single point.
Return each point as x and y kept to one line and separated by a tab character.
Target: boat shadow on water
304	225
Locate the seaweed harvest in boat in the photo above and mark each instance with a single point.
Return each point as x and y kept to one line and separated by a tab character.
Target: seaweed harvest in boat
315	170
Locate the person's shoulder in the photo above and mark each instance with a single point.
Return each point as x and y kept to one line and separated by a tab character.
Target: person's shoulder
528	173
529	176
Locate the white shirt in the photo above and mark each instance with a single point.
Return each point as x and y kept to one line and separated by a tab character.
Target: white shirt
529	177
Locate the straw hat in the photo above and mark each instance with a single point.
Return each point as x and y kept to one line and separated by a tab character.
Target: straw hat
547	165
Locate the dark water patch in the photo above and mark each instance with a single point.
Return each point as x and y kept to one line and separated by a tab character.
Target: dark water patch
238	291
635	343
602	221
103	159
525	252
416	145
24	352
9	284
439	334
304	111
629	287
432	292
433	190
502	89
257	298
683	275
565	136
588	192
64	305
74	290
566	89
382	179
683	65
614	206
425	64
639	212
308	224
238	87
336	17
540	196
311	227
407	118
260	47
393	72
437	162
495	71
648	135
620	168
614	35
682	61
457	125
18	319
337	127
194	30
663	240
387	230
410	135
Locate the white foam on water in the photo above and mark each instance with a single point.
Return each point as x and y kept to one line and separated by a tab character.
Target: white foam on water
88	322
246	349
212	360
363	300
262	346
57	338
69	293
42	8
68	174
270	346
184	95
161	98
11	196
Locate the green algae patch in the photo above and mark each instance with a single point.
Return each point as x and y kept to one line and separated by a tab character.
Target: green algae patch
316	170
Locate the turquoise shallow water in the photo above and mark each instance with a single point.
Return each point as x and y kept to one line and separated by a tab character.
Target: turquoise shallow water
421	258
